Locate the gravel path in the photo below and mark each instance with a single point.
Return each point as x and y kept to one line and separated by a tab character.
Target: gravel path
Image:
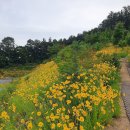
123	122
125	86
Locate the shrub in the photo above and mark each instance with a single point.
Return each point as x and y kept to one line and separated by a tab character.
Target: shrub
122	43
127	39
118	33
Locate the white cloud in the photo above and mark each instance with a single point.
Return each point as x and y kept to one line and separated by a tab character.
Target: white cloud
24	19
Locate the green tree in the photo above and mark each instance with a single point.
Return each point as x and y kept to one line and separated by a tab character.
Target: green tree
127	39
118	34
8	43
7	48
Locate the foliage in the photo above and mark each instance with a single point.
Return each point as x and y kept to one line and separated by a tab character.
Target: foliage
71	58
118	33
127	39
122	43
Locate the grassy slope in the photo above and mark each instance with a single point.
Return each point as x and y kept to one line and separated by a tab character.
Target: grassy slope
24	90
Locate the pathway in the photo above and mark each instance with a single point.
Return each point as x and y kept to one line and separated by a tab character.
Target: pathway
123	122
125	86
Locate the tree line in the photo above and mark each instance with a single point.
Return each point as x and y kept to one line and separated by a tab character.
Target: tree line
115	28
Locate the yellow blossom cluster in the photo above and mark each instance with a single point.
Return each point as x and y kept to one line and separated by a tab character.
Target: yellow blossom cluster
72	103
80	101
43	75
109	50
4	115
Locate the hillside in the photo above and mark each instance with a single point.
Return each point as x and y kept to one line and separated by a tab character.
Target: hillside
51	98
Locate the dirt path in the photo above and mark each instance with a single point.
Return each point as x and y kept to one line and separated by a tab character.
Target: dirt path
122	123
126	87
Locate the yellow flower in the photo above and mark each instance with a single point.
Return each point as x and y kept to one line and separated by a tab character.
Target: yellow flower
98	124
59	125
78	77
66	82
52	126
40	124
22	121
29	125
68	77
13	108
87	103
39	113
84	113
71	125
54	105
103	110
81	128
81	119
66	117
4	115
63	109
68	101
65	127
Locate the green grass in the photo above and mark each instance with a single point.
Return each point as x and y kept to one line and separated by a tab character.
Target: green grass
16	71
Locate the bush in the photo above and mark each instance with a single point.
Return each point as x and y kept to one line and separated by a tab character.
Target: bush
67	60
98	46
122	43
127	39
118	33
72	58
113	59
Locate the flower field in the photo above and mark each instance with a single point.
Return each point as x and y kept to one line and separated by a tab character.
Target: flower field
47	100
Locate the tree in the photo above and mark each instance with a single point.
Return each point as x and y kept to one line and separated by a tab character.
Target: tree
21	55
8	43
118	34
7	48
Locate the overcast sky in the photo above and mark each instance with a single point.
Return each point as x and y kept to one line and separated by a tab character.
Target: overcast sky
38	19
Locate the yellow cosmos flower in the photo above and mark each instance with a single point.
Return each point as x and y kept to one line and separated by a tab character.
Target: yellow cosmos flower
59	125
68	101
53	126
40	124
66	117
81	127
39	113
22	121
69	77
81	119
29	125
71	125
4	115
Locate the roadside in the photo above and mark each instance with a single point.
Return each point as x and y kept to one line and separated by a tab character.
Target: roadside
120	123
